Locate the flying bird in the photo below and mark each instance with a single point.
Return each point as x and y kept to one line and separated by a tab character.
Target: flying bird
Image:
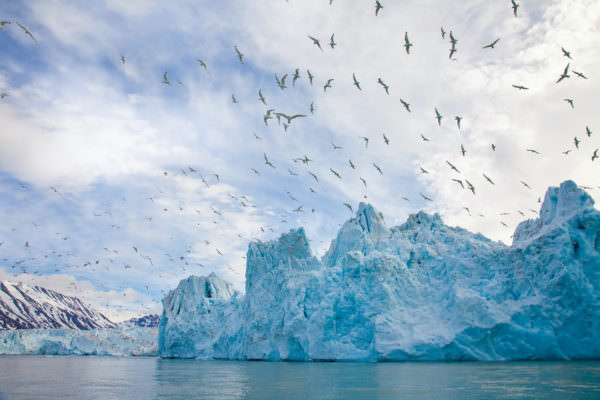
165	80
438	116
491	45
366	140
351	164
588	131
316	42
488	179
378	169
579	74
493	147
123	59
460	182
423	170
312	108
2	23
443	32
261	97
378	7
425	197
267	162
335	173
452	166
526	185
296	76
566	53
202	64
26	31
239	54
348	206
336	147
310	77
356	82
595	155
533	151
565	73
453	40
570	101
328	84
363	181
405	104
424	138
514	7
386	140
576	141
407	43
458	118
386	87
520	87
233	99
462	150
470	187
314	176
332	43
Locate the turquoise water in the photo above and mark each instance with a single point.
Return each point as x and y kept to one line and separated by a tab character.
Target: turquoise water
71	377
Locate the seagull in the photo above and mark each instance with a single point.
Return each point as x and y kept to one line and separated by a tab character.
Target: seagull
290	118
566	53
488	179
405	104
233	99
452	51
595	155
332	43
588	132
425	197
348	206
386	140
305	160
165	80
493	147
533	151
491	45
470	187
202	64
378	169
407	43
424	138
255	171
314	176
312	108
123	59
2	23
462	150
296	76
356	82
443	32
458	119
520	87
261	97
566	152
467	210
351	164
565	73
378	7
386	87
570	101
336	147
26	31
579	74
423	170
526	185
453	40
363	181
310	76
459	182
315	42
267	162
239	54
366	140
576	141
3	95
335	173
452	166
328	84
514	7
438	116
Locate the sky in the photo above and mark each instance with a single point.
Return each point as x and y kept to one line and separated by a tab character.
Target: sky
115	185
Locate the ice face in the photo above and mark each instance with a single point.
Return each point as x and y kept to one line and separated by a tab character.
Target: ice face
123	341
418	291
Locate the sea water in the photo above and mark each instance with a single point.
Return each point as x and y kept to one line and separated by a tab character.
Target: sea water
72	377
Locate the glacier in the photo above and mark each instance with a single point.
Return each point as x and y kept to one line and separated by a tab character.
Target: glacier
418	291
122	341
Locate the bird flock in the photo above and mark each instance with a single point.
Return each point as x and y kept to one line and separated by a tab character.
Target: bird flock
303	164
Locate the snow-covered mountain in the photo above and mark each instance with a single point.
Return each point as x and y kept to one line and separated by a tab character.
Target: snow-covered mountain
418	291
147	321
24	307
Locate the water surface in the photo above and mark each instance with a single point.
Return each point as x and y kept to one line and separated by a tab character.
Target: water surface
72	377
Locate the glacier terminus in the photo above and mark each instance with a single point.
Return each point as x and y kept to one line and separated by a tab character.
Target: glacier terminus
418	291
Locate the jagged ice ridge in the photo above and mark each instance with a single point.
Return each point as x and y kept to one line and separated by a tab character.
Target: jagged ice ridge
418	291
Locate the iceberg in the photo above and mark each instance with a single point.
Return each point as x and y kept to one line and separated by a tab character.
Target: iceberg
123	341
418	291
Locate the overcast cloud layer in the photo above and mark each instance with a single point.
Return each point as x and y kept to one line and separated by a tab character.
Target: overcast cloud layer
115	185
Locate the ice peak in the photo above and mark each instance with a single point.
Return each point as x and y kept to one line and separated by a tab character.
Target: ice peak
422	219
564	201
369	219
295	243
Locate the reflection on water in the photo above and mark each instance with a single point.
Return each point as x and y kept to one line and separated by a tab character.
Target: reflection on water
67	377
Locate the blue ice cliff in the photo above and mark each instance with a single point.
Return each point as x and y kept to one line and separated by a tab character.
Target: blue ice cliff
418	291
